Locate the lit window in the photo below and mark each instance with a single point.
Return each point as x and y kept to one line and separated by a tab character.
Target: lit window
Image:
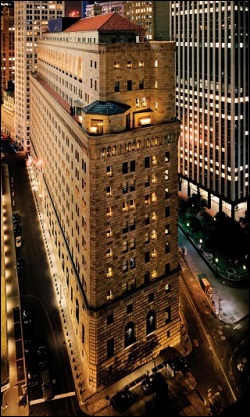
156	62
153	253
109	233
166	230
108	191
116	65
124	206
132	204
156	84
147	240
147	199
124	265
153	235
141	64
109	253
109	272
109	295
154	198
125	246
153	178
132	243
167	287
154	274
129	64
154	217
109	171
154	160
109	211
166	174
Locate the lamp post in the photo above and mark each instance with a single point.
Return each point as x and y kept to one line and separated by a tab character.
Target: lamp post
216	263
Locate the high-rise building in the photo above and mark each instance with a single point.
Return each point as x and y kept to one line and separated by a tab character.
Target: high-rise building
31	22
212	99
104	139
7	47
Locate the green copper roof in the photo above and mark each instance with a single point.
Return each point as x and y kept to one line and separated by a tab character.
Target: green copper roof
105	108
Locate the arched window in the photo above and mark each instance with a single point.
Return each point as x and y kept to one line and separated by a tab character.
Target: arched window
151	327
129	334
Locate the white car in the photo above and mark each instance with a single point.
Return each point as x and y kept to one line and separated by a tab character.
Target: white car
18	241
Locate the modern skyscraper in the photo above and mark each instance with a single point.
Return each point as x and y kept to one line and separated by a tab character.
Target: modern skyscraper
7	47
31	22
212	99
105	138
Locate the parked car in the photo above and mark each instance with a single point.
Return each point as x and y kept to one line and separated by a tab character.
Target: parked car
15	218
17	229
122	400
32	372
27	314
19	241
152	382
43	357
46	385
20	264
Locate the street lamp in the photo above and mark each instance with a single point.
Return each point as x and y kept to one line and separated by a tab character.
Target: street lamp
216	263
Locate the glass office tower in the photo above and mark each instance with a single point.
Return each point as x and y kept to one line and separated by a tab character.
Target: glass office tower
212	99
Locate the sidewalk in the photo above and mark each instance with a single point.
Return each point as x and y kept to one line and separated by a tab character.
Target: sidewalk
12	392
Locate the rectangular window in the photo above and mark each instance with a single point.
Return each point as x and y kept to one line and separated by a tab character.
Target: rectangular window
109	171
147	257
129	85
151	297
110	348
117	86
125	168
167	229
110	319
141	64
141	84
125	187
146	219
147	162
167	288
108	191
132	166
167	156
125	227
132	225
124	265
129	64
125	246
167	248
168	314
167	211
129	308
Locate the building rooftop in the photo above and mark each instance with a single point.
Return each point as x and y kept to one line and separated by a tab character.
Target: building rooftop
107	22
105	108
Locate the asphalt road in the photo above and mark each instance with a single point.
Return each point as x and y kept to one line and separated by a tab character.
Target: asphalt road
216	348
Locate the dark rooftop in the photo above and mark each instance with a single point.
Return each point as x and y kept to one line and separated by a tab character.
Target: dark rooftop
105	108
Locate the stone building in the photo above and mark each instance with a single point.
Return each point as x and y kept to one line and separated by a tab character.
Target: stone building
104	131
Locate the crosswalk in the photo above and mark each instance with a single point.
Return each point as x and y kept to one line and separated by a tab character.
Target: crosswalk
56	397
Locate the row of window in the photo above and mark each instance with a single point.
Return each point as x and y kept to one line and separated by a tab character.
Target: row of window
129	64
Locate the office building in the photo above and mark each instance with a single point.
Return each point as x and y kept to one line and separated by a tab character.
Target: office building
212	100
31	22
7	47
104	140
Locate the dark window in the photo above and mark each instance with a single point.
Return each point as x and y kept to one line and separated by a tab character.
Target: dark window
147	256
167	211
147	162
167	248
132	166
151	322
167	268
125	168
147	219
110	348
129	85
129	308
77	311
110	319
125	228
146	277
141	84
132	225
151	297
117	86
167	156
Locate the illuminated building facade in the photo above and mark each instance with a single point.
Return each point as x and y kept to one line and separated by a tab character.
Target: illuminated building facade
104	130
212	100
31	22
7	47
